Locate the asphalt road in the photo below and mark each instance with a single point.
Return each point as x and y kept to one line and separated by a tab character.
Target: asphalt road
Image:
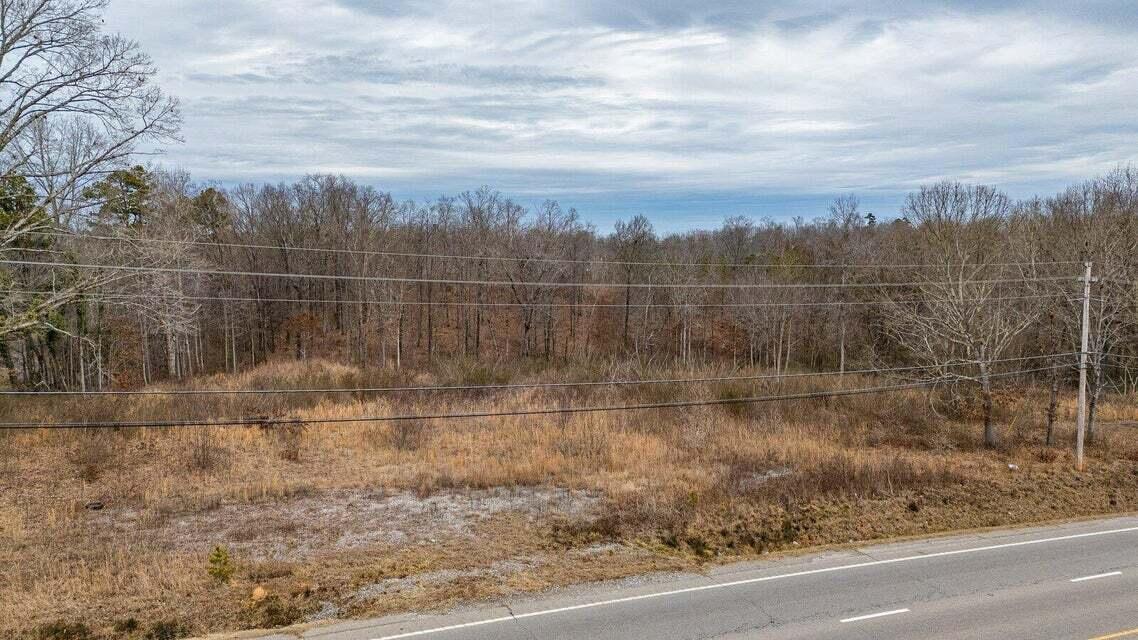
1076	580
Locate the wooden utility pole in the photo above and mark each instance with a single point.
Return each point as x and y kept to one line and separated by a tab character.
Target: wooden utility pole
1081	412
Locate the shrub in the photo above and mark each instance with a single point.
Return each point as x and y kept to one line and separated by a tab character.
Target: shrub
205	453
220	565
268	570
273	611
731	393
289	438
407	435
91	456
167	630
586	442
480	374
126	626
63	631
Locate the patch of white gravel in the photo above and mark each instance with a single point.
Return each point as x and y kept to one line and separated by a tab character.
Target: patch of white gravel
327	611
296	527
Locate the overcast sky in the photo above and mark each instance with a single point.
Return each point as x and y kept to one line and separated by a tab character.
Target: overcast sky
688	111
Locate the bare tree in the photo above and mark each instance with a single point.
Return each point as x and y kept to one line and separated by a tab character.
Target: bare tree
1098	218
73	100
634	244
847	242
954	320
74	103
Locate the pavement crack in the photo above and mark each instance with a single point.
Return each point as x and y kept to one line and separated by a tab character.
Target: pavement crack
771	621
746	628
529	632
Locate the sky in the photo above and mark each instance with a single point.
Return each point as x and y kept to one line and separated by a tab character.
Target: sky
687	111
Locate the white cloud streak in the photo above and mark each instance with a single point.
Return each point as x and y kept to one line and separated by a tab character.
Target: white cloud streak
536	97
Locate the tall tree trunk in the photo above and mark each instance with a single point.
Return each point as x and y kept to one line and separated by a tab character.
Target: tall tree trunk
171	353
986	391
1052	405
842	346
627	303
399	340
145	351
82	369
1092	401
430	323
9	365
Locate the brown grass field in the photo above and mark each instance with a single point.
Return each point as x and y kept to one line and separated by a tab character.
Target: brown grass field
109	533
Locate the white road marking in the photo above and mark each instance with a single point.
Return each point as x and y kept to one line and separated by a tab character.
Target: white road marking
875	615
1097	576
736	583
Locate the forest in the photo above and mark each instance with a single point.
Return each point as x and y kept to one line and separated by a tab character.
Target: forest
150	278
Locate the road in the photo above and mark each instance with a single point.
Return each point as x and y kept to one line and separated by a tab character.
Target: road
1076	580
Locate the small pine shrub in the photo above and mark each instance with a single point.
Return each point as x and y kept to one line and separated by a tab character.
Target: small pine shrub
220	565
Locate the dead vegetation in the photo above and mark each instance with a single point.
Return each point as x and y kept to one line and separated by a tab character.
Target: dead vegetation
110	533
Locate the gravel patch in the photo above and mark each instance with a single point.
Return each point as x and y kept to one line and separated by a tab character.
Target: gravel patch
298	527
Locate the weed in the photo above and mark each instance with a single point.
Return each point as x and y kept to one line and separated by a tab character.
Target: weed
126	626
789	530
289	438
92	455
167	630
205	453
407	435
275	612
481	374
64	631
268	570
731	394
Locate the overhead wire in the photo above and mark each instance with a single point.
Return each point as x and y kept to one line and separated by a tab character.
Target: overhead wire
512	283
275	422
403	254
524	385
581	305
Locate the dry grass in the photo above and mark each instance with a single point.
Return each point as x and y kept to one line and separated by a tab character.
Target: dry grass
672	487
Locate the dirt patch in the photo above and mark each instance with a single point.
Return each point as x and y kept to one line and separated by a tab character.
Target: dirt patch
298	528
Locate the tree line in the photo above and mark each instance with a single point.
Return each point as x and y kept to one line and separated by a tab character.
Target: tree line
326	267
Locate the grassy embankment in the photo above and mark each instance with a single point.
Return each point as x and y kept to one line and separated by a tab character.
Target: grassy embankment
109	533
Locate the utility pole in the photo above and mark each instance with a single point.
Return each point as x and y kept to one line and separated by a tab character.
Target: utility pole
1081	413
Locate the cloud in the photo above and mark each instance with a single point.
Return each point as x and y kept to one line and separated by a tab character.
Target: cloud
682	96
363	67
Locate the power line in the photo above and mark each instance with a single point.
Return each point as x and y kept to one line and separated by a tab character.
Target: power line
526	385
508	283
462	303
403	254
235	422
